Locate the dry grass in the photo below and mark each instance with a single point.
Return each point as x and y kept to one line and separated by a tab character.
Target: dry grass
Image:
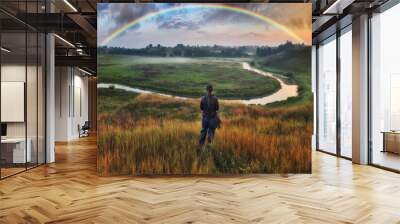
158	135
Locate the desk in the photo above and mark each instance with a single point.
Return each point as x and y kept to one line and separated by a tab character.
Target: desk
391	141
13	150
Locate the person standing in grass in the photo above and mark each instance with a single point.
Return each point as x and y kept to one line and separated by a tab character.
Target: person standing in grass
210	121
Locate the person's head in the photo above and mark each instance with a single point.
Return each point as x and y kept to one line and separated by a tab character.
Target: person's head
209	89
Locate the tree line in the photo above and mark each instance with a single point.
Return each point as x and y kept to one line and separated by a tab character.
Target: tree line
181	50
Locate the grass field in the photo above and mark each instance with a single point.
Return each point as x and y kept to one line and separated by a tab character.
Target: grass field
150	134
110	99
186	76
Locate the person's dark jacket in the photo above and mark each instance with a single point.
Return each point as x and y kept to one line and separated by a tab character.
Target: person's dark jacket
209	105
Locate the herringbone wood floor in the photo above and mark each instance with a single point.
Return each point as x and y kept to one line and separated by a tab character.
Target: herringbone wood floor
70	191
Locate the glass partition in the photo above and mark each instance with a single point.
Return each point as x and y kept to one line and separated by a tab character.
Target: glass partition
346	93
327	96
41	97
31	98
13	109
385	89
22	88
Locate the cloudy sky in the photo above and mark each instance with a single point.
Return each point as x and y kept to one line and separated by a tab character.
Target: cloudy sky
203	26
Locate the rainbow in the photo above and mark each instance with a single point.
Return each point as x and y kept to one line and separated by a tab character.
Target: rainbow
225	7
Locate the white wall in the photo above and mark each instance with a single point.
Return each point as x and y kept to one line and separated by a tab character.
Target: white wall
71	102
80	110
62	81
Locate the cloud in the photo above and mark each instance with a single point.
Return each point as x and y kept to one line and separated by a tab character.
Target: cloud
216	16
252	35
179	24
194	20
102	6
268	9
295	16
182	21
122	13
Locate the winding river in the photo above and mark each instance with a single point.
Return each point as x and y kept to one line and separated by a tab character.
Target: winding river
283	93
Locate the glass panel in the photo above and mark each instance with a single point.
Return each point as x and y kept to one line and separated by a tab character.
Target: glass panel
2	160
23	90
327	96
41	99
346	94
31	99
32	88
385	92
13	86
314	90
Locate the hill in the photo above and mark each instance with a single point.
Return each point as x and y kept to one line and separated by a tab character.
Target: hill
291	61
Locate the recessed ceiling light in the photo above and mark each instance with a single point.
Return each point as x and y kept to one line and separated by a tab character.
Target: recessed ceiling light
64	40
337	7
5	50
70	5
86	72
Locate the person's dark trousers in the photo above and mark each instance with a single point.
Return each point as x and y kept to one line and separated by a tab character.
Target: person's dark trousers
208	126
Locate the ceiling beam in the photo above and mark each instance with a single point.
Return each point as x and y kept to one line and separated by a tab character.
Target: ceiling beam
78	61
86	27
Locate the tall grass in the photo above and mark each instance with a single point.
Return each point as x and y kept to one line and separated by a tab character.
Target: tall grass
157	135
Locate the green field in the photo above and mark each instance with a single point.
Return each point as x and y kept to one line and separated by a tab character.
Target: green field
111	99
186	76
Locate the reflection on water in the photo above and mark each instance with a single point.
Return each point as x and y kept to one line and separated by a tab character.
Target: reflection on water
283	93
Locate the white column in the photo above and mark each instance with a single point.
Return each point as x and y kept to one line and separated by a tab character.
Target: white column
50	99
360	90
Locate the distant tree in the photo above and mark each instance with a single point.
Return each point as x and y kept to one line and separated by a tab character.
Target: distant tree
287	48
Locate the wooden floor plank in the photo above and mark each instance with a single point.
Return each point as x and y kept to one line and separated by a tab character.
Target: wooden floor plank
70	191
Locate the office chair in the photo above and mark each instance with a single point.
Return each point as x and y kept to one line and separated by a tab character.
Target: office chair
84	130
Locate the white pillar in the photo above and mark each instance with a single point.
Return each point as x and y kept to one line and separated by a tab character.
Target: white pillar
50	99
360	90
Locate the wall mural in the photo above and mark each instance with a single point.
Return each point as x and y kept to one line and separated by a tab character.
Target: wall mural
204	88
